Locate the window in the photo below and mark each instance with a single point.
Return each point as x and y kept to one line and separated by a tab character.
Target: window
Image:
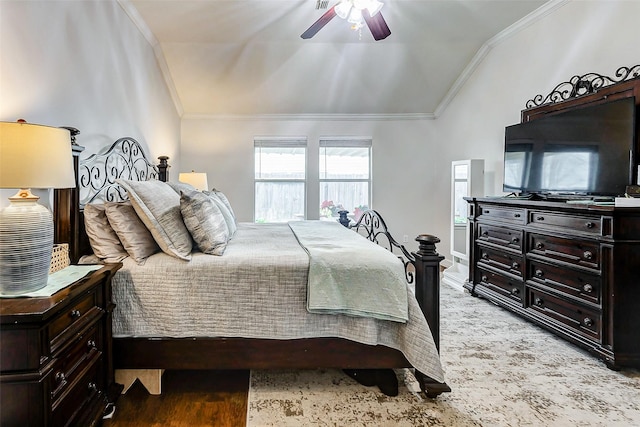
280	173
345	176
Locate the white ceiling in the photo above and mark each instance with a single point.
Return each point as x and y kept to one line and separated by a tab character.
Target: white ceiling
246	57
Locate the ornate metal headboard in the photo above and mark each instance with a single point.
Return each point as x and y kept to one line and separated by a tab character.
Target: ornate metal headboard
125	159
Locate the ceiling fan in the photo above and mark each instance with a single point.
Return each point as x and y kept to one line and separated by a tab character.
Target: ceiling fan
357	13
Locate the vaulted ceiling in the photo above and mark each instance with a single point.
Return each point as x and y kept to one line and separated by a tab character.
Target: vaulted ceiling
246	57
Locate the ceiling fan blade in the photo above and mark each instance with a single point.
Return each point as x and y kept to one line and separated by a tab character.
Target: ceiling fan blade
377	25
317	26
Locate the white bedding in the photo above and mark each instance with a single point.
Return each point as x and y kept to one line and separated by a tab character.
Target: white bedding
257	289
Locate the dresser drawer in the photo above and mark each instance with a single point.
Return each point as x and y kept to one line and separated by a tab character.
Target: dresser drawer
577	284
494	213
577	252
566	223
85	389
586	322
503	285
501	236
505	261
74	360
74	318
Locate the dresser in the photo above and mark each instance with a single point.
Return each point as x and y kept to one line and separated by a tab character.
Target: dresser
573	269
55	355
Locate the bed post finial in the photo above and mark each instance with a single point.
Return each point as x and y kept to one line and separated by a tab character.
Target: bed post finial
163	169
344	220
427	263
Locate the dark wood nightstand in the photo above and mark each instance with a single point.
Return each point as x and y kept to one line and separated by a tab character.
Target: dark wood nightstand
55	355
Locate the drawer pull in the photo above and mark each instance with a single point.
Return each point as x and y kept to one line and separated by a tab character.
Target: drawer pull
587	288
91	344
485	233
75	314
538	301
539	218
539	245
516	215
590	225
539	273
484	278
515	265
588	255
485	255
486	211
587	321
92	386
515	240
60	378
515	291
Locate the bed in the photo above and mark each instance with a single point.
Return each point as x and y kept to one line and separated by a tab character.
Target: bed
255	317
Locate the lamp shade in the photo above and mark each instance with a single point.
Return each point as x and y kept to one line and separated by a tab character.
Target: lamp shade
197	179
35	156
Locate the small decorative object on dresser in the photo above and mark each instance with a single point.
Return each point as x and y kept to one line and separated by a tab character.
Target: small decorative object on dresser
55	355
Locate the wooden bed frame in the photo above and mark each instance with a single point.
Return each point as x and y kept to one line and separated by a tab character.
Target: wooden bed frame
126	159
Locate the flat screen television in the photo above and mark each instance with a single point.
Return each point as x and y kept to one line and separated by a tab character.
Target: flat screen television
588	151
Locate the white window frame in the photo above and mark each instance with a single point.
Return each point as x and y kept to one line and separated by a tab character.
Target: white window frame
281	142
349	142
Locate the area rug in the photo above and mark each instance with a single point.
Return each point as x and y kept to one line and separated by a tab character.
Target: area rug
503	371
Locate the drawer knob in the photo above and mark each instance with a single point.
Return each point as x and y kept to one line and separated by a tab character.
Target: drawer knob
60	377
515	291
92	386
485	233
485	255
587	288
515	240
588	255
538	301
517	215
75	314
587	321
539	273
515	265
590	224
484	278
539	218
91	344
539	245
486	211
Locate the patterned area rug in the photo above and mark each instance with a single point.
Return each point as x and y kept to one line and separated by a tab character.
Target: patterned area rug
503	371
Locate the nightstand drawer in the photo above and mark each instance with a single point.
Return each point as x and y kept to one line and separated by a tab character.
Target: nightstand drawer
577	252
577	284
73	319
75	359
584	321
87	387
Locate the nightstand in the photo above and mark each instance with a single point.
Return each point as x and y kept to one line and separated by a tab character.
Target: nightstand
55	355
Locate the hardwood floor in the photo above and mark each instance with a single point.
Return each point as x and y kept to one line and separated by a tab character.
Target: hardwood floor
189	398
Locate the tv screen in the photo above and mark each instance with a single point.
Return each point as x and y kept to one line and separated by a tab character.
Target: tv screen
586	151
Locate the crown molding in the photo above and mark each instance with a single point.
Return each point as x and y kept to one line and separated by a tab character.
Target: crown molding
484	50
311	117
142	26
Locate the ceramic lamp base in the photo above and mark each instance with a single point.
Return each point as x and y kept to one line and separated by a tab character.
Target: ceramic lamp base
26	242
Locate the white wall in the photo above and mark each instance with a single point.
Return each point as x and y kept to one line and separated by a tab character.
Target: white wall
84	64
401	164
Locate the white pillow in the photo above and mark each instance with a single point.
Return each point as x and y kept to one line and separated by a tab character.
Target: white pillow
205	222
158	206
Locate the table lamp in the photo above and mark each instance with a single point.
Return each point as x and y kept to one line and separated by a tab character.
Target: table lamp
31	156
196	179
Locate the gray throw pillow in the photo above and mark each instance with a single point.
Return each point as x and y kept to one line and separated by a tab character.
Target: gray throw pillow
134	235
103	239
228	216
205	222
158	206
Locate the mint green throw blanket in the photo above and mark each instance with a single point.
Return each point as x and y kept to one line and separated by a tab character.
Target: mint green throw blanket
350	275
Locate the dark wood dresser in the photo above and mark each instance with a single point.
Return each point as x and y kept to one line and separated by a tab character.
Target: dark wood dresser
55	355
572	269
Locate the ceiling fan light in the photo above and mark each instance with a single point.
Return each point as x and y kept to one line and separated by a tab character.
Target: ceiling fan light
342	9
355	16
